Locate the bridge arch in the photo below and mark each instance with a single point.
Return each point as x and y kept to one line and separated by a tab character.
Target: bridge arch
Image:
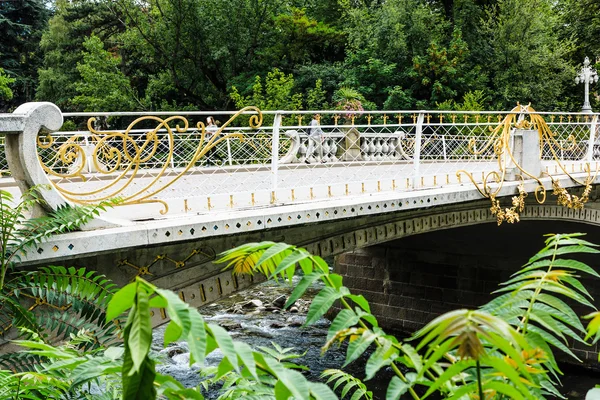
458	216
426	265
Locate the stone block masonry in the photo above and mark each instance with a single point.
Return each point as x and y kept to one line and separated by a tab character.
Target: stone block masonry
410	281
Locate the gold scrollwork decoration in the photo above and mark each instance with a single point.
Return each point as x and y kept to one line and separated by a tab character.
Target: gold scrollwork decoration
118	157
499	142
205	254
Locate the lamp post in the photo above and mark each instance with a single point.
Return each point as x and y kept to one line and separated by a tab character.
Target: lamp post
586	76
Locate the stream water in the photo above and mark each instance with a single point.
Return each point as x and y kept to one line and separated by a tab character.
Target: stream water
249	316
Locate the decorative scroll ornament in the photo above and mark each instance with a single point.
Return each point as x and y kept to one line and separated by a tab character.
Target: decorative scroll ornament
524	117
120	157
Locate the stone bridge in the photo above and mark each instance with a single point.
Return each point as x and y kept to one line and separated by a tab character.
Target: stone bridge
402	199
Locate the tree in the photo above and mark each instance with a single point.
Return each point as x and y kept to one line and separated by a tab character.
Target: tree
5	82
526	54
103	86
301	39
62	46
276	93
441	72
21	26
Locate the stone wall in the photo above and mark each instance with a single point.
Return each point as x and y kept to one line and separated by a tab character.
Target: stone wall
410	281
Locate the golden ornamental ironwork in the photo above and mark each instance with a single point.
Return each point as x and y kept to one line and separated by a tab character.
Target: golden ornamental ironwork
120	156
499	142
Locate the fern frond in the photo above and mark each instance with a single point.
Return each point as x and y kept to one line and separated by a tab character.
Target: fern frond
70	299
64	219
64	325
350	385
271	259
533	293
19	362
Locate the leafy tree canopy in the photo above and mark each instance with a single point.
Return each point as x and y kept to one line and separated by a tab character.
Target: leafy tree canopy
167	54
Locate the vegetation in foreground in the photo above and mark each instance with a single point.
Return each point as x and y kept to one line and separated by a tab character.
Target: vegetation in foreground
503	350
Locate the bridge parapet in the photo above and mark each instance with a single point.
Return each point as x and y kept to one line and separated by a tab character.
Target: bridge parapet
169	164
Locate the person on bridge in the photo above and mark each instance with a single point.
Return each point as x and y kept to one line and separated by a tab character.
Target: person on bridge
315	140
211	129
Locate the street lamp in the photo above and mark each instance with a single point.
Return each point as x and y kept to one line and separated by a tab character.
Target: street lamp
586	76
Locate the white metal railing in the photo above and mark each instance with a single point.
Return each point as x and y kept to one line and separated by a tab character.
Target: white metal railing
276	163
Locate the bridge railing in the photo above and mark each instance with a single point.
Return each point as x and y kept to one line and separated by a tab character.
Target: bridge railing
171	162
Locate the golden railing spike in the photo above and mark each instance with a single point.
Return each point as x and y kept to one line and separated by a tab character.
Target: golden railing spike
369	117
441	118
385	117
335	119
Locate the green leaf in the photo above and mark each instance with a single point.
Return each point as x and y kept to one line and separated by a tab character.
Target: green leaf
576	265
281	391
321	304
563	250
304	283
290	260
358	346
449	373
360	301
196	337
172	333
140	334
277	248
178	311
138	385
246	356
503	367
321	391
121	301
552	340
382	356
508	390
535	340
224	368
415	359
292	380
225	344
344	319
396	388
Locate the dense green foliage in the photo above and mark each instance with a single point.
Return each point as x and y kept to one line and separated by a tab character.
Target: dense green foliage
502	350
48	302
212	54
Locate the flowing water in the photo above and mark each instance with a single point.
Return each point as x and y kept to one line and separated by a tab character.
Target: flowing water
250	317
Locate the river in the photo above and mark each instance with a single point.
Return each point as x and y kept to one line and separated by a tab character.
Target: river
249	317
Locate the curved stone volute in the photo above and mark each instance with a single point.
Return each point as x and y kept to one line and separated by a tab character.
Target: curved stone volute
21	150
21	129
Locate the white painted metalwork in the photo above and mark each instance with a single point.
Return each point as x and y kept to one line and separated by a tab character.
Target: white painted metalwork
376	151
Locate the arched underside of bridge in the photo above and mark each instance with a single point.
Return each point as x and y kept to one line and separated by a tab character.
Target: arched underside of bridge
411	280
